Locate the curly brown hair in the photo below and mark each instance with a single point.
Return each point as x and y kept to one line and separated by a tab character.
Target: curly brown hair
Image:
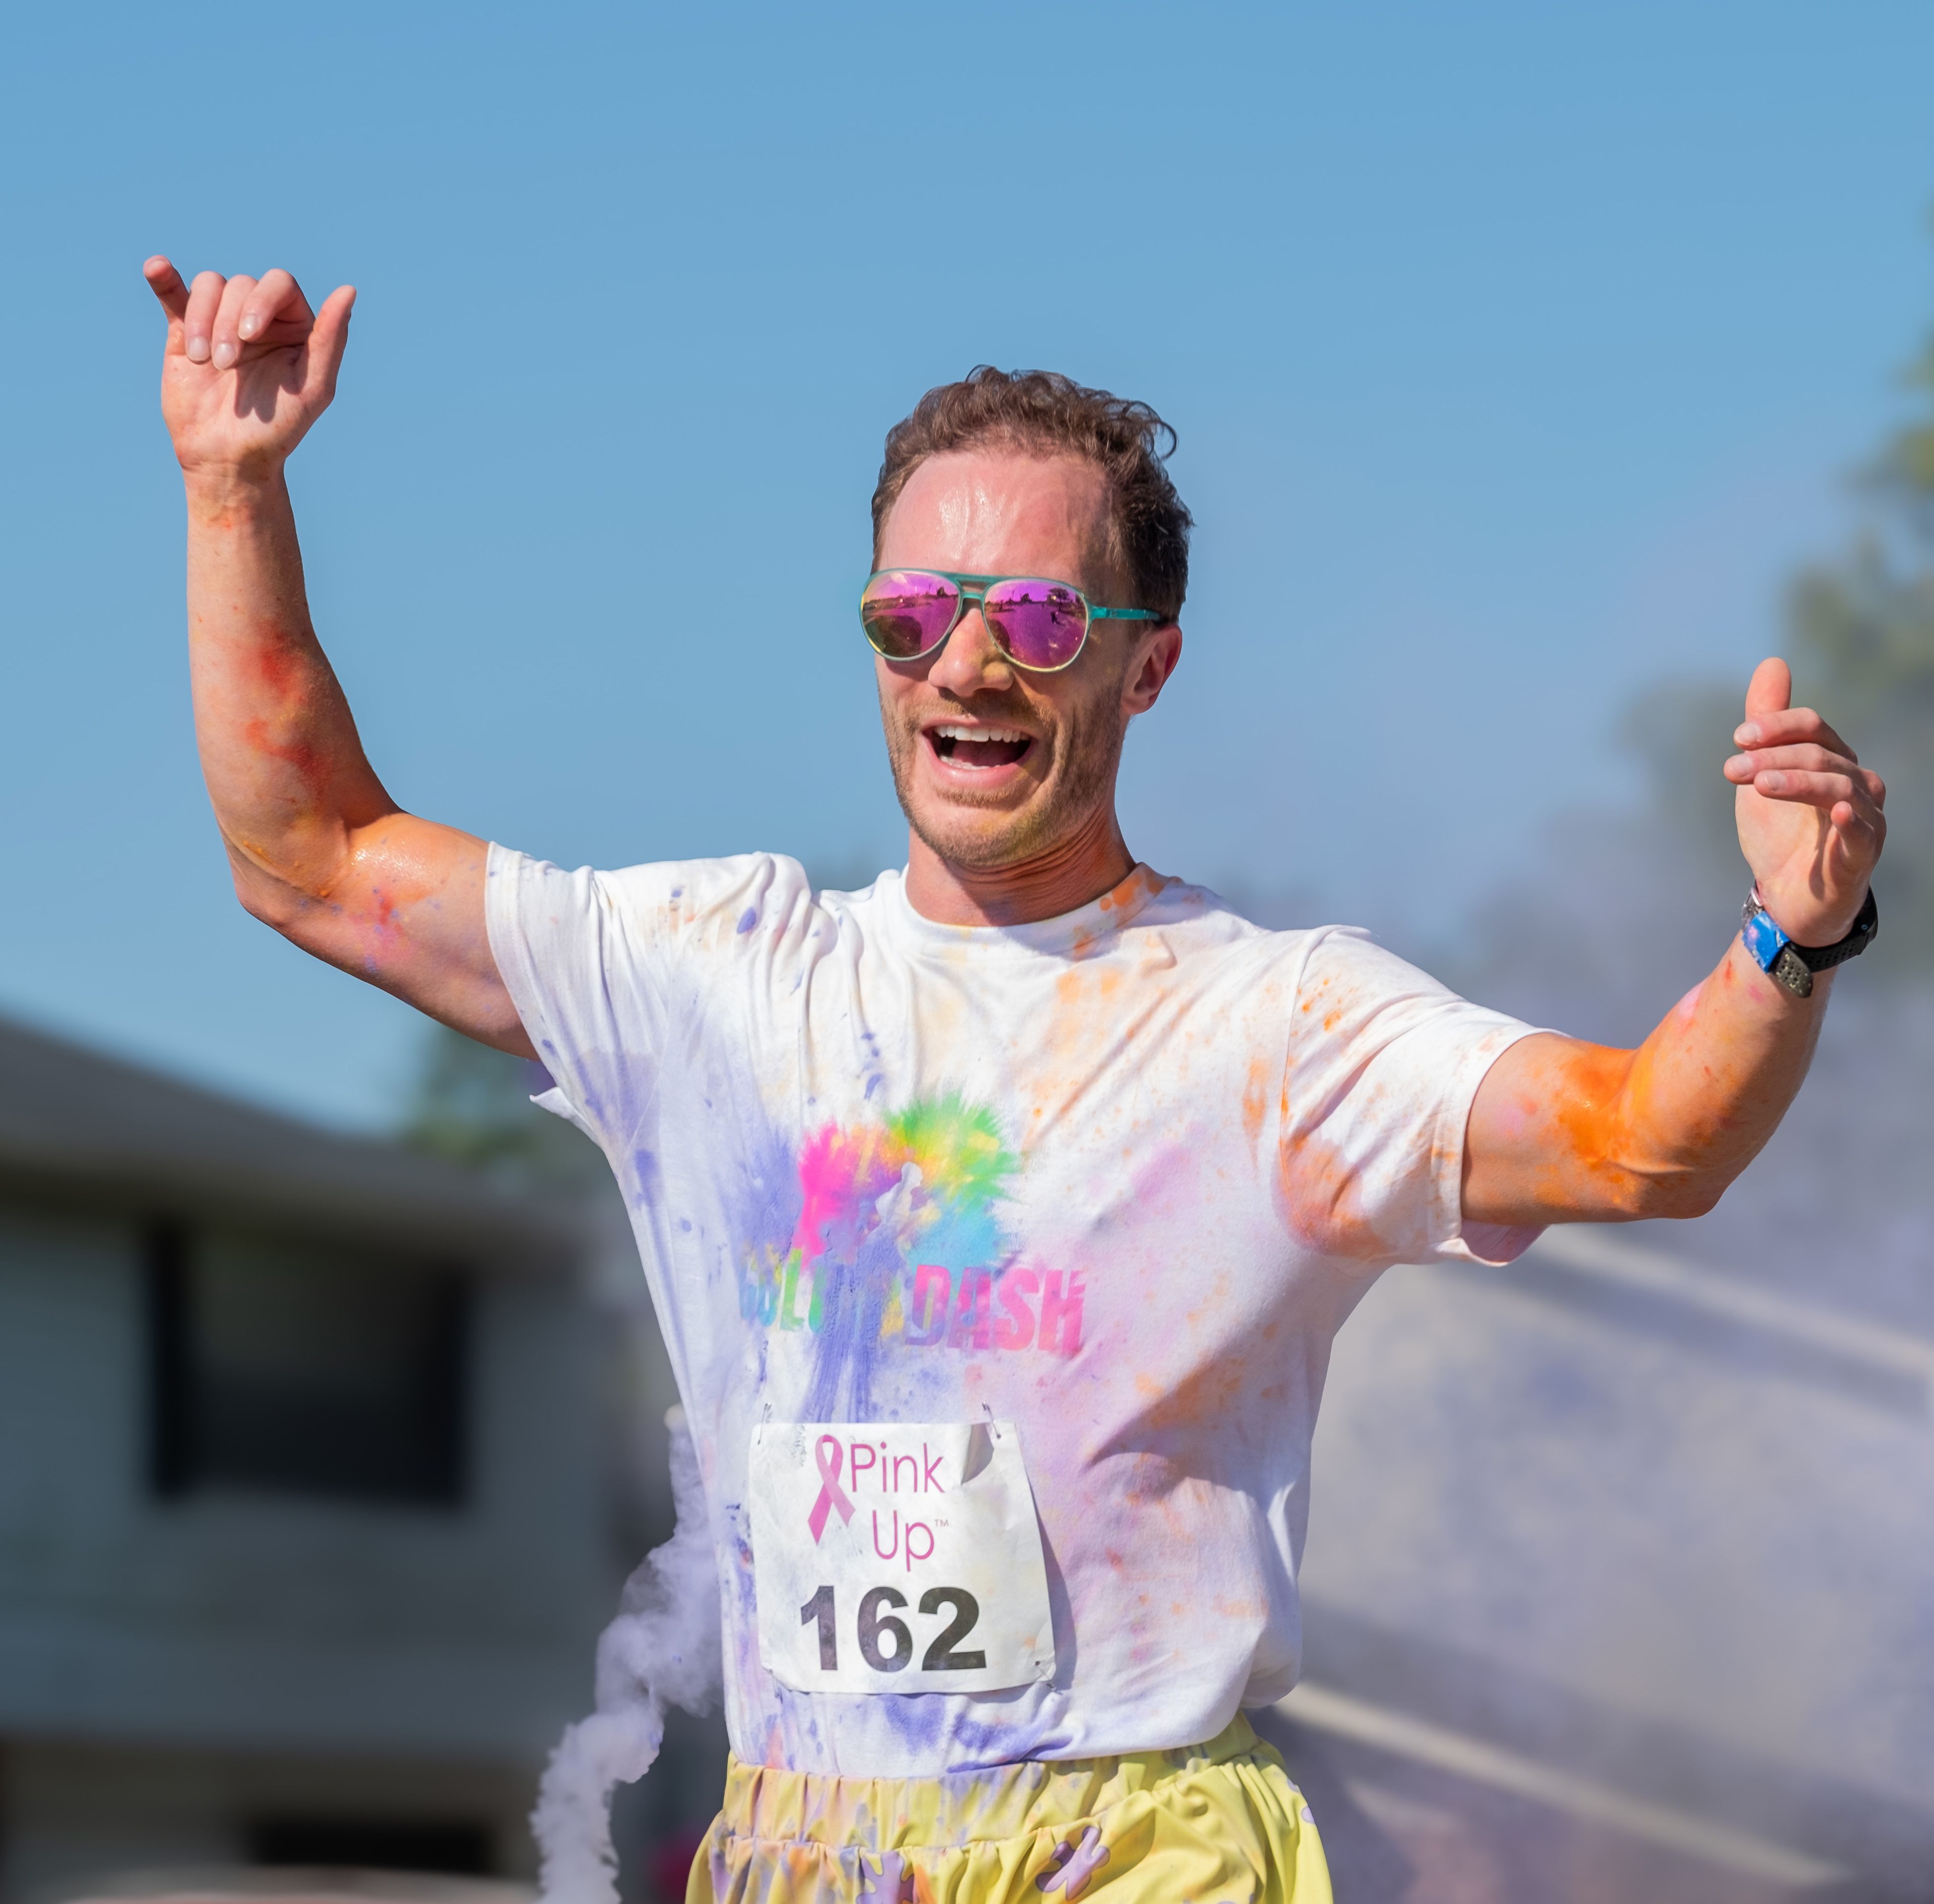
1042	410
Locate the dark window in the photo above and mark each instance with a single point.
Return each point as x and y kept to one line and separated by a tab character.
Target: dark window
461	1849
295	1366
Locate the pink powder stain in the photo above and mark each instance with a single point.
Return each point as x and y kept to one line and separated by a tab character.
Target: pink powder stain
843	1175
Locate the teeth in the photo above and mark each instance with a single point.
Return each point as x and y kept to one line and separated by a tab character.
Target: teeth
979	733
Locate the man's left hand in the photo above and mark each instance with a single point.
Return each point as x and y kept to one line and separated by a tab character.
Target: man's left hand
1810	818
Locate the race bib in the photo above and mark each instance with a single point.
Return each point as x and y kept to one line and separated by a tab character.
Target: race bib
897	1557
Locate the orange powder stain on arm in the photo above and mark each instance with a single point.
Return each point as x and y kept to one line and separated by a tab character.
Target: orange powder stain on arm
1563	1131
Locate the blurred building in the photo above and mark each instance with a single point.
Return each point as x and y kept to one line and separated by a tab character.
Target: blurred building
306	1487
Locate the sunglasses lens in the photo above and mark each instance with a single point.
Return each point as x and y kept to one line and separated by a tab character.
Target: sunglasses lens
1039	624
905	612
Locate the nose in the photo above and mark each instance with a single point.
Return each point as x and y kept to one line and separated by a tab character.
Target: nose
970	661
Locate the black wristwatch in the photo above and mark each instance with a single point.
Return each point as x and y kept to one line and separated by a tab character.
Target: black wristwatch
1793	965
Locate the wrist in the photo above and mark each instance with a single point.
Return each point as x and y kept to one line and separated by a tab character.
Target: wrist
1791	964
219	491
1804	920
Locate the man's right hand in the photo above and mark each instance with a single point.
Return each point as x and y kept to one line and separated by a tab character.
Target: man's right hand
318	849
248	367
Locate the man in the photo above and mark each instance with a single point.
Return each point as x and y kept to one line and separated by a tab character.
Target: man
998	1218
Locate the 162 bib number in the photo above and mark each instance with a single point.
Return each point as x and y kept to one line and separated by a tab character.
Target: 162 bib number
897	1557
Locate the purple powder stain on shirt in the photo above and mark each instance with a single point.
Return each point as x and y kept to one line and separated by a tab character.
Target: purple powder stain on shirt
847	1351
645	1166
748	919
926	1722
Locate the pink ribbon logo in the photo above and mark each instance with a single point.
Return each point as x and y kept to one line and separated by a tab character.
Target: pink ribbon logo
831	1494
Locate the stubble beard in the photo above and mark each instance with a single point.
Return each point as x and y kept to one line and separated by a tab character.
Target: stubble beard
1087	753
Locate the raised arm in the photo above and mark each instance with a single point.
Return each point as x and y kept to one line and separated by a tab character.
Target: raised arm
1563	1131
318	849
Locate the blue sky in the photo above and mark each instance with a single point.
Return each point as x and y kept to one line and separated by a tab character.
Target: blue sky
1517	353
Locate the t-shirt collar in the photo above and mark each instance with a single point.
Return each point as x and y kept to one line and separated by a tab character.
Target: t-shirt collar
1088	929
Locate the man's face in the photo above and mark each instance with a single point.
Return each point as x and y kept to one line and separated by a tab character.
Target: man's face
994	767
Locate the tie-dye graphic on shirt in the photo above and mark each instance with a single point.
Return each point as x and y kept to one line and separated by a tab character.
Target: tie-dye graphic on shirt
899	1240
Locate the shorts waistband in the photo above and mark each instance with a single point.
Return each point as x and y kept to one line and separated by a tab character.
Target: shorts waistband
959	1808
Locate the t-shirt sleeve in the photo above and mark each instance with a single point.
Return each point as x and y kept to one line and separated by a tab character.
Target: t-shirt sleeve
604	968
1383	1065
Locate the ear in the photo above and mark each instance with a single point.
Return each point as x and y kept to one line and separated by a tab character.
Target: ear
1152	663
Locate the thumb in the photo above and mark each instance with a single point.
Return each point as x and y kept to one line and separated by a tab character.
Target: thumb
1770	691
327	340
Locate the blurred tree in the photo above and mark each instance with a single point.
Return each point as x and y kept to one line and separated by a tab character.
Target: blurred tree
1863	652
473	1106
1866	625
1619	906
1680	731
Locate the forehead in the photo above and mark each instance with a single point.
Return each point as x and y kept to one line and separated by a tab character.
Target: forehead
999	511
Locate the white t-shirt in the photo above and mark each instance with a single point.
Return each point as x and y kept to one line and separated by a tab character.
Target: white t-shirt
1156	1155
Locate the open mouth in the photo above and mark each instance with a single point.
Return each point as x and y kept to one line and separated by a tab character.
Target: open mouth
978	747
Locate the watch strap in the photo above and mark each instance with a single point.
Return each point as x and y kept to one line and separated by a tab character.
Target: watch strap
1792	965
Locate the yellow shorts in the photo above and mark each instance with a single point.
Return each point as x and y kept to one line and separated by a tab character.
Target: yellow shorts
1218	1823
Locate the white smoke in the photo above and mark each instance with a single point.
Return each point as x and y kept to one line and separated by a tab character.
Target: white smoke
663	1648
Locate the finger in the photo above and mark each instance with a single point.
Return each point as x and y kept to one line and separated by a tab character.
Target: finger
165	281
276	305
1824	791
1860	834
1853	848
1770	691
1742	769
204	299
1788	726
327	341
225	339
